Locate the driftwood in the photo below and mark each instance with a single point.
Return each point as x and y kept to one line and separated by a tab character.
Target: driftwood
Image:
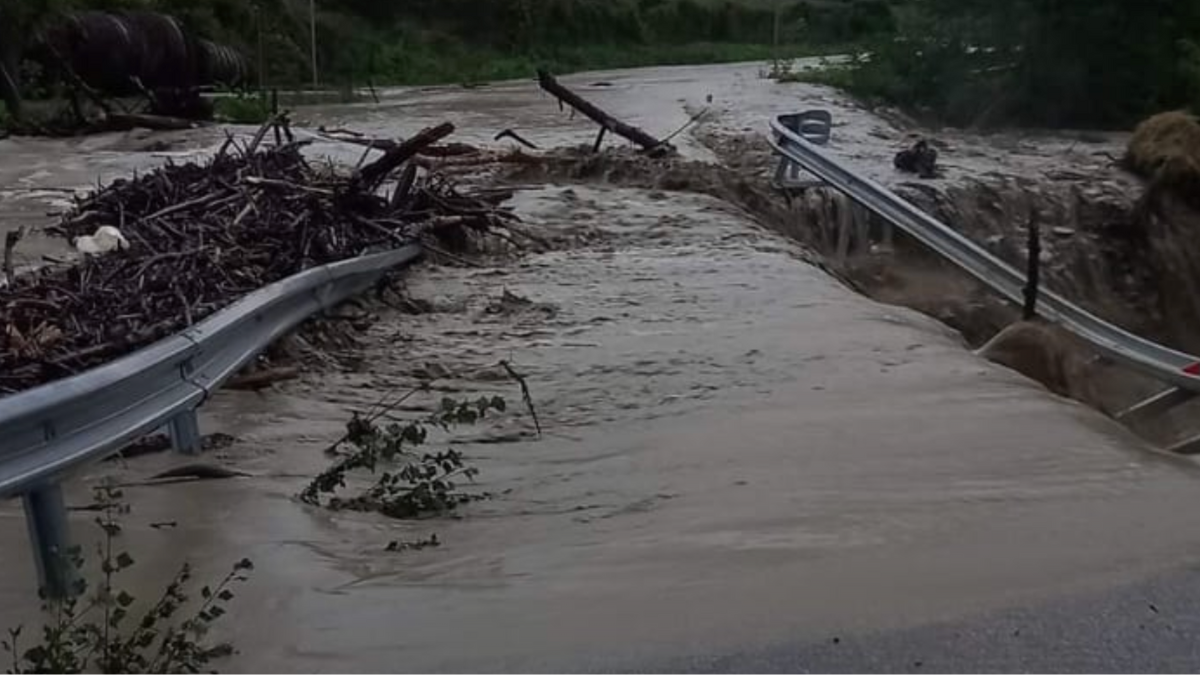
607	122
104	122
199	472
372	175
184	474
127	121
387	144
261	379
155	443
10	242
509	133
201	236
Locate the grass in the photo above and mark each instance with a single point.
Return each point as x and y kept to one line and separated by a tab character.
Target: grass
242	109
839	75
413	65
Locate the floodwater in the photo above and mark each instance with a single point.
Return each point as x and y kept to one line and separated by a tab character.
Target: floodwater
738	451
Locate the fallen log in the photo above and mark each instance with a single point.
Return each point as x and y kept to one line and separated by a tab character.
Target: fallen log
127	121
261	379
373	174
607	122
453	149
509	133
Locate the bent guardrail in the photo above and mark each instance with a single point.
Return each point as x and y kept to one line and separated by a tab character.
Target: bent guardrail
52	429
1160	362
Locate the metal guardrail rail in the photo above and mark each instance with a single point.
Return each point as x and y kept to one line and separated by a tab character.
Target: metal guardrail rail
1157	361
52	429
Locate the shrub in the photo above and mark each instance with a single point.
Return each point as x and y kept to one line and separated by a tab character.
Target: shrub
95	632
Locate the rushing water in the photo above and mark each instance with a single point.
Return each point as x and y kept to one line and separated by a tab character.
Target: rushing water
738	451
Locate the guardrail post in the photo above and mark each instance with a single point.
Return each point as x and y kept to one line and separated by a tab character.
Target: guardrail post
185	432
46	516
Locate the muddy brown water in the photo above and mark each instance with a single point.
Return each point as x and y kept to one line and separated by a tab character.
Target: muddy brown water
738	451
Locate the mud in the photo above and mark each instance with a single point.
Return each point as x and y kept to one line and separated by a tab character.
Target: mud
1125	250
739	449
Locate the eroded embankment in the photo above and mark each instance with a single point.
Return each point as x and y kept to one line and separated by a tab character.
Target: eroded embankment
1127	257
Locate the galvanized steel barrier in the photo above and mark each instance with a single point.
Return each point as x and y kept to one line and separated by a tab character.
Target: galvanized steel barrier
1157	361
48	431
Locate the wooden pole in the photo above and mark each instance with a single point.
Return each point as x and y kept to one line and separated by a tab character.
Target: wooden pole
312	21
606	121
10	85
599	140
262	63
10	268
775	40
1033	276
10	91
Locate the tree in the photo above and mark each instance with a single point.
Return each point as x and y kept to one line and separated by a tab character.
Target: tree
1046	62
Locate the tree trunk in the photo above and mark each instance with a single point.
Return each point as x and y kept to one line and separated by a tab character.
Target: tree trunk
606	121
10	85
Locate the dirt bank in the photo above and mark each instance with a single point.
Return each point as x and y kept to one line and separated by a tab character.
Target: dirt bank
1129	258
1125	250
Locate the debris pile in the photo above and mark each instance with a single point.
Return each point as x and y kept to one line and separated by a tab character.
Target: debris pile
201	236
920	159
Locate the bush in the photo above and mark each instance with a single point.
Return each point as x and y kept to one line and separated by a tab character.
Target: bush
1101	63
94	633
409	484
242	108
1166	148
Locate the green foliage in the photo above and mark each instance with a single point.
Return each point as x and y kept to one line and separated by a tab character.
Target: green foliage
1189	72
438	41
242	108
408	484
99	632
1042	62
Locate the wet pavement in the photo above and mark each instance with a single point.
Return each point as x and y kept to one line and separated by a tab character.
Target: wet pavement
742	458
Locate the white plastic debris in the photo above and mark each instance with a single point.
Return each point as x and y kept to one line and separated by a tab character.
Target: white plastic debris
107	238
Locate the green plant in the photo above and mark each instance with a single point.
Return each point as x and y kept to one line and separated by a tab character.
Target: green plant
94	632
409	484
1105	63
1189	71
242	108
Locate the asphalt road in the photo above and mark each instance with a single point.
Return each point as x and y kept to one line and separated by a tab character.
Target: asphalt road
1148	627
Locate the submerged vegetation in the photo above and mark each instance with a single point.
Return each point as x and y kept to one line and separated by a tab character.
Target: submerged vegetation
408	483
406	480
103	628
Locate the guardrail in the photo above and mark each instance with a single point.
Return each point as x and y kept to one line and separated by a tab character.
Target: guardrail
1162	363
52	429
